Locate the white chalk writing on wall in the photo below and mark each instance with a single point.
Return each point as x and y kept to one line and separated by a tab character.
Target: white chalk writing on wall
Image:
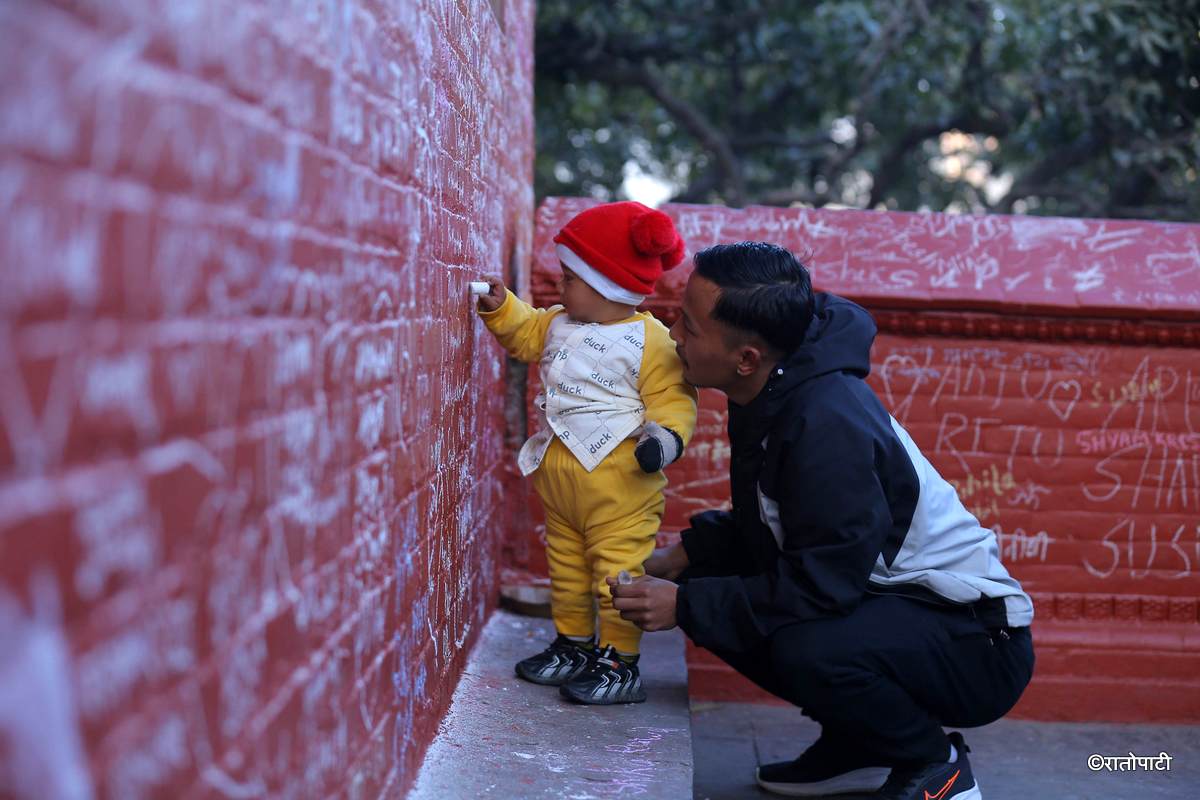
242	383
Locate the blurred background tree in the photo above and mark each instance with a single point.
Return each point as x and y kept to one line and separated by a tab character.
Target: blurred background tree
1026	106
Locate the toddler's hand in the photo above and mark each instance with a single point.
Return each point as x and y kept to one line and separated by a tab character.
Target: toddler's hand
495	296
657	447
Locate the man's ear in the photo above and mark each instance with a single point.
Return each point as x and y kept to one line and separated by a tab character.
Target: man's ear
750	358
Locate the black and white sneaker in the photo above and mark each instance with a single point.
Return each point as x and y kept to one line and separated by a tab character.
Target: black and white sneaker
826	767
942	781
562	660
606	681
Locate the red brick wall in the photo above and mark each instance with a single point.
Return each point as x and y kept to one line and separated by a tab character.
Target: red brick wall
252	439
1049	368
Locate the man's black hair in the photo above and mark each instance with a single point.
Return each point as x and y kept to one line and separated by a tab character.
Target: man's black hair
765	290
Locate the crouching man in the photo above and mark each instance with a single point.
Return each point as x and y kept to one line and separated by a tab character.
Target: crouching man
848	579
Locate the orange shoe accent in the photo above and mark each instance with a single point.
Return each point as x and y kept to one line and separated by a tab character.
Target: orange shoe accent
942	792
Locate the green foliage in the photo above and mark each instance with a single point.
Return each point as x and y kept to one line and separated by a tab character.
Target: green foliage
1070	108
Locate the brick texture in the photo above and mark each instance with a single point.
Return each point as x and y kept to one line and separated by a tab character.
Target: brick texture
252	438
1048	368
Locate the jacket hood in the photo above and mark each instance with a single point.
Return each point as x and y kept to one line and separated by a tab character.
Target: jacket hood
838	340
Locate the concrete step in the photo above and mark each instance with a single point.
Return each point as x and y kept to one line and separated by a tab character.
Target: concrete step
505	737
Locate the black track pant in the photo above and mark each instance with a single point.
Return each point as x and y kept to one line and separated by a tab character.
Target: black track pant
887	677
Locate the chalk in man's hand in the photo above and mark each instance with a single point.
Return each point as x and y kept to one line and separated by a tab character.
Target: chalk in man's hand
480	287
623	578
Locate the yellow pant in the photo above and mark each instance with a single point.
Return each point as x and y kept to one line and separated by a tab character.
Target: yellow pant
597	524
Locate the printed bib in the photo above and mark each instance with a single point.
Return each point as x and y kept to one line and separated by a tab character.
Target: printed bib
589	396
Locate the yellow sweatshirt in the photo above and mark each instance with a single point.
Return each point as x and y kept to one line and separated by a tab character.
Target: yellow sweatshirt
669	399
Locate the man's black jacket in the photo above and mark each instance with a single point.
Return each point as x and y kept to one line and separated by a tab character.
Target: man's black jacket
825	486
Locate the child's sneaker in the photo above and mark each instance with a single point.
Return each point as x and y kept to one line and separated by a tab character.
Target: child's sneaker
562	660
948	780
607	680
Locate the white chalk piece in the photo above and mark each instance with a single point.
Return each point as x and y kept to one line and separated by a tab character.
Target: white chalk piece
623	578
480	287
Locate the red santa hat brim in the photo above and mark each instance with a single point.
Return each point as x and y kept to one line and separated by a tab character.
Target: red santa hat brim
598	280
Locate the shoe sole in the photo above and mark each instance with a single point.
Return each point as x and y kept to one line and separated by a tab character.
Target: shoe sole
868	779
545	681
637	698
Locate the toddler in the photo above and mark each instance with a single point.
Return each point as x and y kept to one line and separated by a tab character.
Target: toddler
615	410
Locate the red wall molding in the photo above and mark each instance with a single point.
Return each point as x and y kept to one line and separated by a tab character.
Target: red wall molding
1046	329
968	325
1122	607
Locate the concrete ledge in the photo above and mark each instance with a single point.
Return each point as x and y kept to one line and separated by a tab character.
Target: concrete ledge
504	737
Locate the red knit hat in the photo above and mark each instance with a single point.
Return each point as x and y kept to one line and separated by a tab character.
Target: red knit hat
628	243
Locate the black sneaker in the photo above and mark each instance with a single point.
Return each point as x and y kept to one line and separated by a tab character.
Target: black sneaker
606	681
942	781
562	660
824	768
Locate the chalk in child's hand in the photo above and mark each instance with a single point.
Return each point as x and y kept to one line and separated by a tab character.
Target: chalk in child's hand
623	578
480	287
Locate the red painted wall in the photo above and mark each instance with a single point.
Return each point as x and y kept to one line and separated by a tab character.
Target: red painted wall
1049	368
252	439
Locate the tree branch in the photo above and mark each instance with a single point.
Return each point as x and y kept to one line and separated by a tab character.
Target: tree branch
1057	162
891	165
697	191
695	122
859	107
786	197
779	140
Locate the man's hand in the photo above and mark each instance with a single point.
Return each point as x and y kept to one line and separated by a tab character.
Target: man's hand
667	562
648	602
495	296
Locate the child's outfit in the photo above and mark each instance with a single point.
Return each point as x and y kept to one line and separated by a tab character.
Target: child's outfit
615	410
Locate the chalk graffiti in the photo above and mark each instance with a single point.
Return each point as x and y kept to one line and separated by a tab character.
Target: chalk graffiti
43	746
1173	560
247	418
1019	545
